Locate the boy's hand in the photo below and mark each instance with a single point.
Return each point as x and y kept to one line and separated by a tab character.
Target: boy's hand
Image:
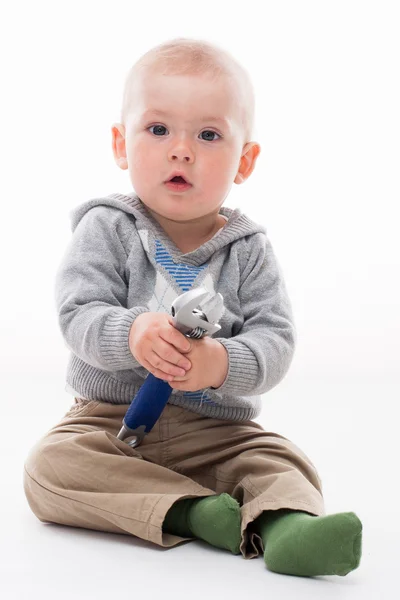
158	346
210	363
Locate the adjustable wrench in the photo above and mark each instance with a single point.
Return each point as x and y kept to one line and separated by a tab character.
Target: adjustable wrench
148	404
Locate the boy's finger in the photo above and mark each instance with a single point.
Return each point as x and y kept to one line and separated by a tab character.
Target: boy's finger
176	338
182	343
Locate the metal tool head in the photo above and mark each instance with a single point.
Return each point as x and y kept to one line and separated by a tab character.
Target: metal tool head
192	321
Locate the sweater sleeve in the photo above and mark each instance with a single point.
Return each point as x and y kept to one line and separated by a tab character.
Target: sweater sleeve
260	354
91	293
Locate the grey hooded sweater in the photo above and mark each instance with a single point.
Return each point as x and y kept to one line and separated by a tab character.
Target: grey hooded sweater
120	263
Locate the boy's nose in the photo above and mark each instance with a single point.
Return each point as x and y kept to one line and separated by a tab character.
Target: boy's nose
181	152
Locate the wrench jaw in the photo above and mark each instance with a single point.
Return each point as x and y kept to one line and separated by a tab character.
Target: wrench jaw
193	322
199	331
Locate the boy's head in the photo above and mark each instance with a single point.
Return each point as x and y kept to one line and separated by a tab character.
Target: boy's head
188	106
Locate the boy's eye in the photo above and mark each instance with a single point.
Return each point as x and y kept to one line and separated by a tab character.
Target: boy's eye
157	129
208	139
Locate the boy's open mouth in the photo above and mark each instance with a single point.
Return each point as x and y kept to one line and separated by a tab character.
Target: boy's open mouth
178	183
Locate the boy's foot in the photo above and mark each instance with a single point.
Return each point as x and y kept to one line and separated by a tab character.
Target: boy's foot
214	519
297	543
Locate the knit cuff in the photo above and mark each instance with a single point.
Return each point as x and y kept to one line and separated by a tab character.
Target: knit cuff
243	369
114	339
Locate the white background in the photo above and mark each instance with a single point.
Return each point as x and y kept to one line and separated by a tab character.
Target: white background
326	186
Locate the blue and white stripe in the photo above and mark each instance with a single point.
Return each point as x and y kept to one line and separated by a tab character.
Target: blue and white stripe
183	274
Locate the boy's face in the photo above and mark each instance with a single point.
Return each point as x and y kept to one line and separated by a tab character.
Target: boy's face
170	128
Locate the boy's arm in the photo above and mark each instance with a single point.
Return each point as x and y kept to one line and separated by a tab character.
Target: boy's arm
260	355
91	293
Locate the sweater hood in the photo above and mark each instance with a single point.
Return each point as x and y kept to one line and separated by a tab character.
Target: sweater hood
238	226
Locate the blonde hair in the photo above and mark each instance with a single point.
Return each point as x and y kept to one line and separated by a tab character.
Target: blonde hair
184	56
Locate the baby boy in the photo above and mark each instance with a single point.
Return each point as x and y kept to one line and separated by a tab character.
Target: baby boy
206	470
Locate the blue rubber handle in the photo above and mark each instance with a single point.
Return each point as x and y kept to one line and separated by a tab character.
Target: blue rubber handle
148	404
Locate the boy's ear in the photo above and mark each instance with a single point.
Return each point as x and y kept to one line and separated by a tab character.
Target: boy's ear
118	145
248	159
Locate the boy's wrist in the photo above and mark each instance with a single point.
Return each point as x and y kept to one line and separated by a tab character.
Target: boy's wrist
222	364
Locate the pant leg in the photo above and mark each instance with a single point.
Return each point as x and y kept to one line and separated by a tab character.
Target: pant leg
80	474
262	470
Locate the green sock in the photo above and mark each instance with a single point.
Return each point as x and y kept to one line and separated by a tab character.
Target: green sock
214	519
297	543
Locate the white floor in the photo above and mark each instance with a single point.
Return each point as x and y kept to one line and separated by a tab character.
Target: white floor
357	458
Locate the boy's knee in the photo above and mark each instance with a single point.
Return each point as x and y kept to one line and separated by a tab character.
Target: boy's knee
42	476
35	479
38	462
